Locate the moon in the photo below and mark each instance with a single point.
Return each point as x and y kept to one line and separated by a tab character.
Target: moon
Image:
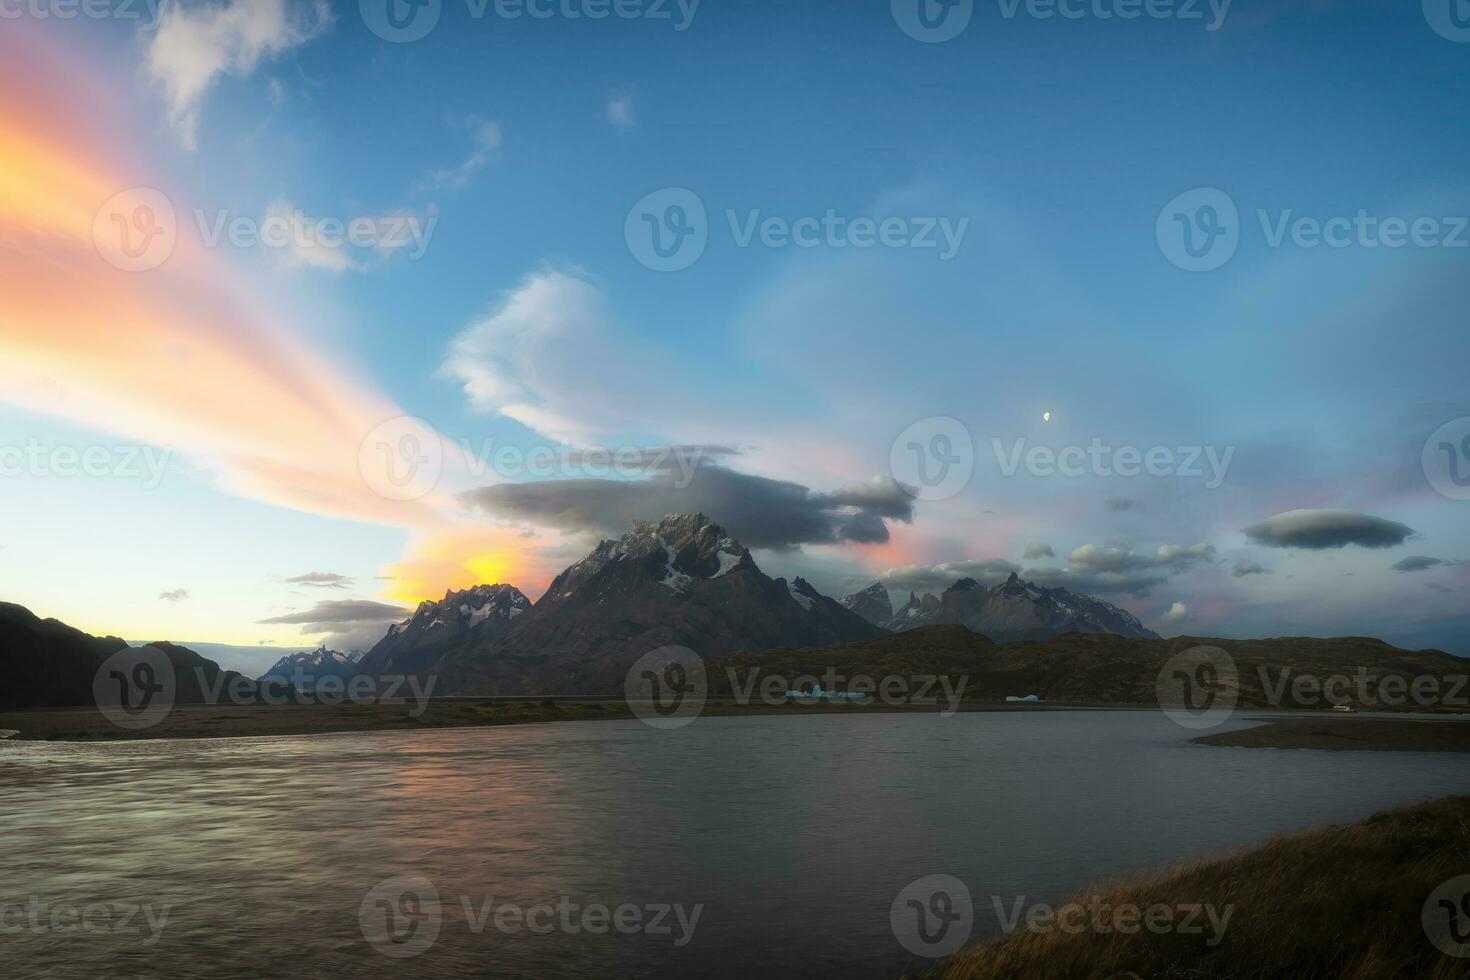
1046	416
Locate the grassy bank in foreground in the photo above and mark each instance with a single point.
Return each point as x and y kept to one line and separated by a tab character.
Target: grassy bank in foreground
1339	903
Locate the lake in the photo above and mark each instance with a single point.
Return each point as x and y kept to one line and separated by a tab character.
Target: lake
729	847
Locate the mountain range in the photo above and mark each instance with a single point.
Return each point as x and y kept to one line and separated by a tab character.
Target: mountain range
309	667
416	645
46	663
1011	612
682	581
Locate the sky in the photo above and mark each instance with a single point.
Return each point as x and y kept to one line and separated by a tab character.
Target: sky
1167	308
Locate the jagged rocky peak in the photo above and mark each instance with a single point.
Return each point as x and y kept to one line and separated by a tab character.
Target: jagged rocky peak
469	607
872	603
675	551
802	591
1018	610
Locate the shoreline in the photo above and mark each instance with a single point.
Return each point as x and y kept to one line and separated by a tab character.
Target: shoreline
1347	734
1303	730
83	724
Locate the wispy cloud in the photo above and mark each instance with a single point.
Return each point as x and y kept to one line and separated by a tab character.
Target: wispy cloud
195	45
620	112
321	580
343	623
174	595
1421	563
485	141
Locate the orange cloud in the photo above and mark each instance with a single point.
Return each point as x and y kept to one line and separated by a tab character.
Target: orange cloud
177	355
187	354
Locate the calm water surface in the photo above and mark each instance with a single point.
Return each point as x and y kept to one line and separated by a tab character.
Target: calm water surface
794	835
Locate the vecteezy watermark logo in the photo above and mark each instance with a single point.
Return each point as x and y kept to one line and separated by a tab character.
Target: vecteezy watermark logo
331	242
1098	916
43	917
1446	459
298	686
1099	459
146	11
932	917
36	459
135	687
932	21
136	230
401	21
400	917
934	458
666	688
834	686
678	463
1199	687
1446	917
1364	688
1199	230
667	231
401	459
1450	19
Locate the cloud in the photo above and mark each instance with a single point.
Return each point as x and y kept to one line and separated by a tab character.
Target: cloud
306	247
1243	568
1118	570
550	356
195	355
937	578
343	624
174	595
1177	613
486	140
1116	505
321	580
193	46
1182	556
760	512
620	111
335	612
1038	551
1419	563
1113	582
1092	558
1322	529
498	360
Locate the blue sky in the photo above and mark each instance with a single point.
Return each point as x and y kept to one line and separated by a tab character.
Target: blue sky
1057	141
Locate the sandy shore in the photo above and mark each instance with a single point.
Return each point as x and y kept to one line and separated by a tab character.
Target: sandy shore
1351	734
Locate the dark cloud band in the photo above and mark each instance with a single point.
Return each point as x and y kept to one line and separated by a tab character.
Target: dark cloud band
1322	529
760	512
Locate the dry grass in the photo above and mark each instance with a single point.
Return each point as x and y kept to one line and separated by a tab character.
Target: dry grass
1340	903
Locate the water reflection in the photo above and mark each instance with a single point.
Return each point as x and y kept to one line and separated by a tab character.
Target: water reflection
792	835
